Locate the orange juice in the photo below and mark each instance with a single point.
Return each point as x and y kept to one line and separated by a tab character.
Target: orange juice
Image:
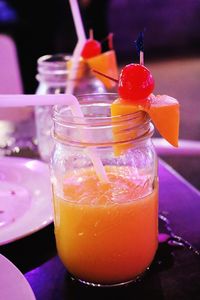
107	232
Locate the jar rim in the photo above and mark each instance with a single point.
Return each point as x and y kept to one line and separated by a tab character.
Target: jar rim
98	128
106	99
52	58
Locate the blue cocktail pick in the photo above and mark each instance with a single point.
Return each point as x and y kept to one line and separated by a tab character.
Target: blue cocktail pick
140	42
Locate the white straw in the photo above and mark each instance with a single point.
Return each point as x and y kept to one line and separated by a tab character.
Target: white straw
99	168
62	99
36	100
79	46
77	20
74	68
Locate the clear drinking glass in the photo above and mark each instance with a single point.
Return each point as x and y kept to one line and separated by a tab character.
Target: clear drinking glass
106	232
53	72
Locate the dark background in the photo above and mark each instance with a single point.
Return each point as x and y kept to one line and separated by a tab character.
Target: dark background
46	27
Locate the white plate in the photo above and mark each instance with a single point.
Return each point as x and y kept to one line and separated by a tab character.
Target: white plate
25	198
13	285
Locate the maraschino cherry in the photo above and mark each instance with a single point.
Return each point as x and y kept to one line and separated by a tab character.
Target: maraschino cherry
91	48
135	82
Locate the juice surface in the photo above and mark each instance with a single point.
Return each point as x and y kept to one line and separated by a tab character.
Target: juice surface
107	232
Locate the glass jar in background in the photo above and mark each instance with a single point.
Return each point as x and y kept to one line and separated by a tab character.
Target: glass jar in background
106	232
53	72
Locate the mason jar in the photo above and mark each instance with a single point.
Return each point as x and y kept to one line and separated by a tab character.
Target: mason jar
105	192
53	77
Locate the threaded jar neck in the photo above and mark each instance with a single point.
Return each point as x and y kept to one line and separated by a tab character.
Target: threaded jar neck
98	128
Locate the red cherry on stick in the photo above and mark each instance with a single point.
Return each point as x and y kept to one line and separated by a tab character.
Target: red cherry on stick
135	82
91	48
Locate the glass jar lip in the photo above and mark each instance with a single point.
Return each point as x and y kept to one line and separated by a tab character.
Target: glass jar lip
51	65
48	59
57	64
97	120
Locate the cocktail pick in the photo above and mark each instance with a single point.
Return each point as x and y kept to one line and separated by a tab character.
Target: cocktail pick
140	46
110	41
106	76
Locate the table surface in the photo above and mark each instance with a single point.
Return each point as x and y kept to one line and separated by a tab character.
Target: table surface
175	273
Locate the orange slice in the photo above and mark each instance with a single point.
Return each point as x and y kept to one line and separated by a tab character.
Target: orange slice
165	114
81	69
163	111
105	63
124	132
